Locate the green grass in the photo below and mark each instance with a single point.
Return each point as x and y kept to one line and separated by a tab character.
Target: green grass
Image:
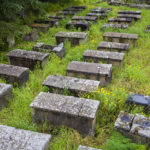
133	76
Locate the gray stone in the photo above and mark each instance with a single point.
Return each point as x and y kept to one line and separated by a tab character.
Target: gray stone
116	3
79	7
17	139
52	22
56	17
99	15
76	38
113	46
27	59
31	36
120	20
81	147
78	25
66	13
132	16
59	50
93	71
5	94
86	18
113	58
120	37
10	39
40	27
73	9
14	74
117	26
147	28
141	6
75	85
129	12
77	113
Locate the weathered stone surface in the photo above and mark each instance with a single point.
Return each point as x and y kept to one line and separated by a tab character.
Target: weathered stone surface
56	17
120	20
132	16
32	36
59	50
117	26
76	38
14	74
60	83
77	113
78	25
87	18
147	28
10	40
99	15
17	139
113	46
120	37
105	10
141	6
81	147
93	71
27	59
129	12
66	13
41	27
136	127
5	94
79	7
116	3
113	58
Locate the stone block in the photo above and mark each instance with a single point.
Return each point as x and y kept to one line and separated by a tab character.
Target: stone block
31	36
113	58
101	10
77	113
59	50
99	15
40	27
27	59
129	12
74	85
120	20
17	139
93	71
113	46
76	38
66	13
121	37
114	26
56	17
5	94
79	7
81	147
132	16
85	18
52	22
14	74
78	25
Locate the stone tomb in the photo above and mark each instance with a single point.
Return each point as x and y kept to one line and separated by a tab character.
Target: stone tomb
77	113
40	27
101	10
115	26
120	37
59	50
93	71
76	38
17	139
113	58
66	13
27	59
81	147
5	94
78	25
113	46
31	36
74	85
14	74
85	18
129	12
120	20
99	15
132	16
56	17
136	127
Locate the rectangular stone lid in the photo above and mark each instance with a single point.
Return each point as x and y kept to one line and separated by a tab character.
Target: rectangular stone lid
111	25
28	54
129	12
129	16
17	139
91	68
66	82
120	19
120	35
70	105
4	87
96	14
84	18
104	54
78	35
11	70
113	45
